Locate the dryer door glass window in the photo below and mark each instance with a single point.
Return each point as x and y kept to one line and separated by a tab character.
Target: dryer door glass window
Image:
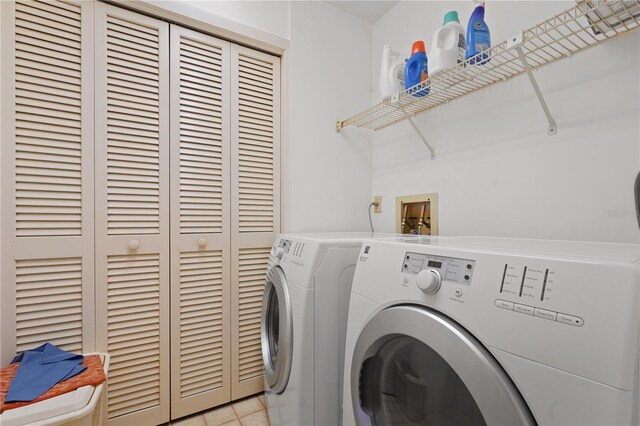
276	331
272	328
406	382
412	365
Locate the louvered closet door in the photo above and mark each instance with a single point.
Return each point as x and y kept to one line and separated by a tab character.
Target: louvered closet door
47	183
200	223
255	204
132	212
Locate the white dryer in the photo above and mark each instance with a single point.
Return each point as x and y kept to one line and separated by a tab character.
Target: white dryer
473	331
304	319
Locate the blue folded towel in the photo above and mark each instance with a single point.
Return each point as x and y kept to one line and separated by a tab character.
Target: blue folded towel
40	369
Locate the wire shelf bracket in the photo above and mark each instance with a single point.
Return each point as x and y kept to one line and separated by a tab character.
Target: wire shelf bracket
393	100
420	135
515	43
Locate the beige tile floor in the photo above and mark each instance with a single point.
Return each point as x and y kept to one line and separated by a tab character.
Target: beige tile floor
246	412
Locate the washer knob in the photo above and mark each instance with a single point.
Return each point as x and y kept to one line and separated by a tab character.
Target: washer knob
279	252
429	281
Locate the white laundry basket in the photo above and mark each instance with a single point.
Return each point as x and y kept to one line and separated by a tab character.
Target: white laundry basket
83	406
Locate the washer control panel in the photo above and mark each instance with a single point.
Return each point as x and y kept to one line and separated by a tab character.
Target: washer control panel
298	249
285	245
450	268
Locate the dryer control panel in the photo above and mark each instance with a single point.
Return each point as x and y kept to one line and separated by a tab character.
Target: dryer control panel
527	289
451	269
569	306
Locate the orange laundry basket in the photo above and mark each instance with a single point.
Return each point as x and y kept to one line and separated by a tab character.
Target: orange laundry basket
61	406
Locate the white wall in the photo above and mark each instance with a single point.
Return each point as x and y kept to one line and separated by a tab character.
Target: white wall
329	173
327	181
270	16
497	173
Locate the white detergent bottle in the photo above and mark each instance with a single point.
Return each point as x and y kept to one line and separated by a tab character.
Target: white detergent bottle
391	72
448	44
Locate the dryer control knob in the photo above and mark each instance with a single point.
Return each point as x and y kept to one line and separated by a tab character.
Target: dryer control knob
429	281
279	252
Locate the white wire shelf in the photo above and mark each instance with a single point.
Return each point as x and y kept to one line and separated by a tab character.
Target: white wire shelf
586	24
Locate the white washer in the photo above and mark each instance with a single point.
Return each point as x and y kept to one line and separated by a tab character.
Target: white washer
493	331
304	319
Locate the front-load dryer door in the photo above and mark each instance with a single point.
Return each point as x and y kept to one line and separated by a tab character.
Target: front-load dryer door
412	366
276	331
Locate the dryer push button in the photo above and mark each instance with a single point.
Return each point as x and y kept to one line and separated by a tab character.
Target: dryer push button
504	304
543	313
570	319
523	309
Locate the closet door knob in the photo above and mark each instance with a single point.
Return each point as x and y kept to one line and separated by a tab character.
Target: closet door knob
202	242
133	244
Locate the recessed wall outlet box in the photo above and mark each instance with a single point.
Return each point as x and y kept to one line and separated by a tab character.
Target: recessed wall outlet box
419	213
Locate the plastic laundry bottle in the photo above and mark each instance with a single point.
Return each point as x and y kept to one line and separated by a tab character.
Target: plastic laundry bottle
416	70
478	37
391	72
447	45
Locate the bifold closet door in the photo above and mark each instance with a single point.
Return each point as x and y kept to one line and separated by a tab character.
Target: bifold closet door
255	204
200	222
47	178
132	212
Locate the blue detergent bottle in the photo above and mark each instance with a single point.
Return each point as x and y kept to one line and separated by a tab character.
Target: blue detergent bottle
416	70
478	37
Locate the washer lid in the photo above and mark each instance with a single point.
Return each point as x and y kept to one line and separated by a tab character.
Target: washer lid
412	365
276	329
